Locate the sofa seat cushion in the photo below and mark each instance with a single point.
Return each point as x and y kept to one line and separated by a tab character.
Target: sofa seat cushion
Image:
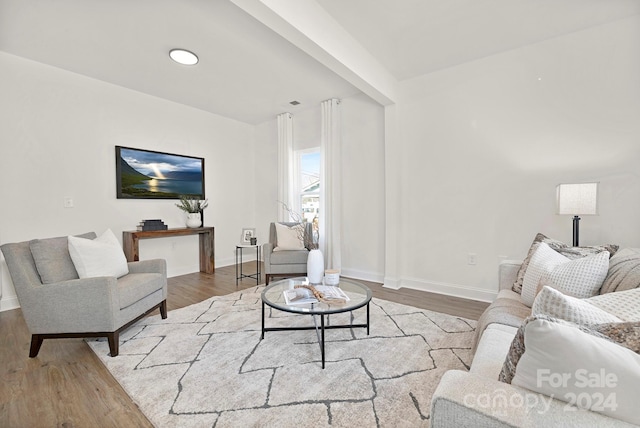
136	286
492	350
289	257
52	258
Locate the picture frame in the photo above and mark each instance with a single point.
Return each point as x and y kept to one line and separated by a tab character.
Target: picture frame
247	234
148	174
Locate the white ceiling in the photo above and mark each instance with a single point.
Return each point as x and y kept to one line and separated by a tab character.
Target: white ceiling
248	71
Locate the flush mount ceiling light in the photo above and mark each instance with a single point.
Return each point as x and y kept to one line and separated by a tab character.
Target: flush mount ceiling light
184	57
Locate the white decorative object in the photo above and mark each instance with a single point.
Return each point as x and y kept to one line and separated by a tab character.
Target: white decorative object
289	238
315	266
102	256
332	277
194	220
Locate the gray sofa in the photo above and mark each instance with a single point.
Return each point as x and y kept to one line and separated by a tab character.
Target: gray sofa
477	399
73	307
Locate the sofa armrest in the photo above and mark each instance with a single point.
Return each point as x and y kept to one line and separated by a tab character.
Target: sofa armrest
149	266
464	399
508	273
267	249
78	305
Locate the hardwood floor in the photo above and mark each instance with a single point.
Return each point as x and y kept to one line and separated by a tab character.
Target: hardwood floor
66	385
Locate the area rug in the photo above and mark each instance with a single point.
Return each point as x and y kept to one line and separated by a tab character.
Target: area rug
205	366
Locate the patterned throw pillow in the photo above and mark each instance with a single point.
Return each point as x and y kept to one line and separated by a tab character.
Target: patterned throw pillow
571	253
580	278
544	260
555	244
552	303
623	304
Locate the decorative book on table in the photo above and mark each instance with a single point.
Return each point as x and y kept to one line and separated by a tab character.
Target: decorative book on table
307	294
146	225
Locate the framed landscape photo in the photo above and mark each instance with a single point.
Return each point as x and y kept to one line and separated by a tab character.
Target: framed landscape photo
147	174
247	234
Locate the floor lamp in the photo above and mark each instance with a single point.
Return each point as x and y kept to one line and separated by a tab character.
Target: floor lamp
577	199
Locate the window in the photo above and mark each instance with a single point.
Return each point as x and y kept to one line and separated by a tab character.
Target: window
308	185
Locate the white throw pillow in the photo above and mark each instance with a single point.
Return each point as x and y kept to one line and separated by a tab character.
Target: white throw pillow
553	303
581	278
543	260
623	304
570	365
102	256
289	238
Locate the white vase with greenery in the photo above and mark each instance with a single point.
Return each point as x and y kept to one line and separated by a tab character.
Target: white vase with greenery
193	207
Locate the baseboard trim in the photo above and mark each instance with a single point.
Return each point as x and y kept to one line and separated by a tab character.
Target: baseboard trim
362	275
454	290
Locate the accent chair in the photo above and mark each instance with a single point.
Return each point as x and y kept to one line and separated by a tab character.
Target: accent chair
286	263
57	304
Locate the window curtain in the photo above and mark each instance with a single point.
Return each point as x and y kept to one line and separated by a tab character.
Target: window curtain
285	165
330	180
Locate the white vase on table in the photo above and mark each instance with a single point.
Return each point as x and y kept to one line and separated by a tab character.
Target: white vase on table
315	266
194	220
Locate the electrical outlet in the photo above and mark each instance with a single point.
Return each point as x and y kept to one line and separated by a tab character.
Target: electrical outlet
472	259
68	202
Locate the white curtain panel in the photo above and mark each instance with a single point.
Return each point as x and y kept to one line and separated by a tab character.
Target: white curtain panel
330	180
285	165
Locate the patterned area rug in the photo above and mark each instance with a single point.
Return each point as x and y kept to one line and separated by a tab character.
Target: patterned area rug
205	366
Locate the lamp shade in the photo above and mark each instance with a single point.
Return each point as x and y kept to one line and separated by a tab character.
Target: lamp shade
578	199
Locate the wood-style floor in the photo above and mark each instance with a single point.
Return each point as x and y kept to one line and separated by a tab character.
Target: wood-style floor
66	385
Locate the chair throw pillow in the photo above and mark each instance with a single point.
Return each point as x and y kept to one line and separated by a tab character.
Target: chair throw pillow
289	238
102	256
584	368
52	258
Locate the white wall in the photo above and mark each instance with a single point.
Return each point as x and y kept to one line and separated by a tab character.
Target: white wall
482	146
58	131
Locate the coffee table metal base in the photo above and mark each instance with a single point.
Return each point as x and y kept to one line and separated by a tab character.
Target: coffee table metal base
319	331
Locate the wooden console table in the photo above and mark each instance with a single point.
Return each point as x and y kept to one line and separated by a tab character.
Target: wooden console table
207	264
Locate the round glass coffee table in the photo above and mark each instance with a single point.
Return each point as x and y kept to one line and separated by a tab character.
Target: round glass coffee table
358	295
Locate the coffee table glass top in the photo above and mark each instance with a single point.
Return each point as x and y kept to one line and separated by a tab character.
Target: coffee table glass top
359	295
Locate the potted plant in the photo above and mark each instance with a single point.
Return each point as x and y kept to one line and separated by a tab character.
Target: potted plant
193	207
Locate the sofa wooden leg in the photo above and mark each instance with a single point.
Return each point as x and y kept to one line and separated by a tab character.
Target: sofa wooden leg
114	342
36	343
267	276
163	309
